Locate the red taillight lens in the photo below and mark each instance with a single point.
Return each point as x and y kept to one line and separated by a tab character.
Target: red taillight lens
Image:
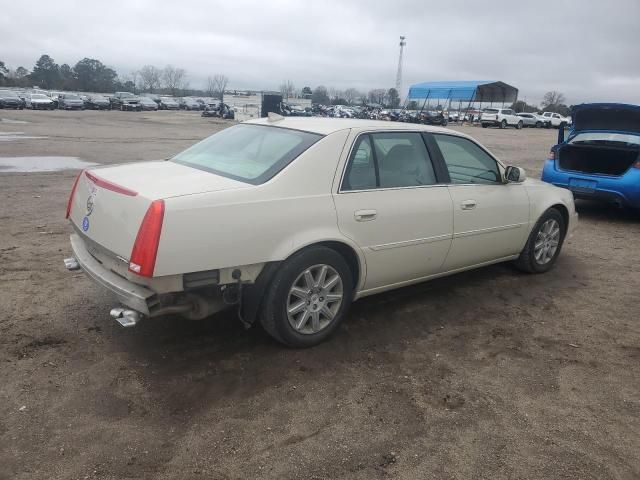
73	191
552	155
145	248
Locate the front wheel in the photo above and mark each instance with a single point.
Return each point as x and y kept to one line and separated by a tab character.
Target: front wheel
503	124
519	125
544	244
308	297
484	125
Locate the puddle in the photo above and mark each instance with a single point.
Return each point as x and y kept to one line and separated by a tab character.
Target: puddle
8	120
12	136
42	164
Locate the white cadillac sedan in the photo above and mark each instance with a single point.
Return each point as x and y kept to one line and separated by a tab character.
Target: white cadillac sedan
291	220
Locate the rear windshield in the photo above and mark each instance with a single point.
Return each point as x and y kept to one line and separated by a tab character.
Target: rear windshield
249	153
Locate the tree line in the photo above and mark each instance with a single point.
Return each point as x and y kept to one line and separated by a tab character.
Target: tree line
333	96
91	75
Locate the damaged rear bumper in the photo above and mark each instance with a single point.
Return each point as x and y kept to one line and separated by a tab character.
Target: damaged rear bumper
134	296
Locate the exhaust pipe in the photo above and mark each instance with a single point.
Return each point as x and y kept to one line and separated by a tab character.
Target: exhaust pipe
125	317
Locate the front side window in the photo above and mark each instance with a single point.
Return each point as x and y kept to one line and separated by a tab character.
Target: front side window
466	161
249	153
389	160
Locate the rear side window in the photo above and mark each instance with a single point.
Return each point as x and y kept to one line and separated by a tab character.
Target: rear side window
466	161
249	153
389	160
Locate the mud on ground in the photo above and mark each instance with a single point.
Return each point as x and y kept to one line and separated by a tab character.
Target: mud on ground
490	374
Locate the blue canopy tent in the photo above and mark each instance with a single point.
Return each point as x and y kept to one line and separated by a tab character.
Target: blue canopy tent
471	91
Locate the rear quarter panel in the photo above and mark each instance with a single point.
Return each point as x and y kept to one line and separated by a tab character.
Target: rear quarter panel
263	223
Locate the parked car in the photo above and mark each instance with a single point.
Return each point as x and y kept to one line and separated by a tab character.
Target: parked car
600	157
70	101
10	99
189	104
430	117
55	98
269	215
39	101
98	102
168	103
531	120
201	103
552	119
148	104
125	101
221	110
500	117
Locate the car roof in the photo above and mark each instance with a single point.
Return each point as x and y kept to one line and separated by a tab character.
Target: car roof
326	126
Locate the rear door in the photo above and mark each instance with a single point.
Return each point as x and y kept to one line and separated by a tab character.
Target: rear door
490	217
392	202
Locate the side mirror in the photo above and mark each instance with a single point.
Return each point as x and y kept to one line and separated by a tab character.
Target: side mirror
515	174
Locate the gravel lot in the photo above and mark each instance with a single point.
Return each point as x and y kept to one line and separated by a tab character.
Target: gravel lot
490	374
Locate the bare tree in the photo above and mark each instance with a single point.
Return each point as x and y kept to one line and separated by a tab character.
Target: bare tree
216	86
552	98
174	78
287	89
150	77
351	95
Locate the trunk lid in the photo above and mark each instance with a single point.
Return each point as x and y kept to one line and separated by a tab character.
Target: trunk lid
606	116
109	203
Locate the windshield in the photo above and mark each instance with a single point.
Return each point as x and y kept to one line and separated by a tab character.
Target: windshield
71	97
249	153
605	138
39	96
146	100
490	110
7	93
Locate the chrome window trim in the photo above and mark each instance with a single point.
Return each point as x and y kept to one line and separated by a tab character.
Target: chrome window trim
367	132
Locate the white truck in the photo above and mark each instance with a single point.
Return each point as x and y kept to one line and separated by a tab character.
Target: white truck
500	117
552	119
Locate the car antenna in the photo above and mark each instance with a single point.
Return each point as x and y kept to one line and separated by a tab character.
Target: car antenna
274	117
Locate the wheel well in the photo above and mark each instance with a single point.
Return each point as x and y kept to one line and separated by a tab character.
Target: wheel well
350	256
564	212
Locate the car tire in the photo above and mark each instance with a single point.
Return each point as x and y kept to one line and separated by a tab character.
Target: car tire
503	124
539	258
519	125
484	125
299	284
538	124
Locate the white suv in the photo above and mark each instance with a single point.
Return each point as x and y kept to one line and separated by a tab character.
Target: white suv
500	117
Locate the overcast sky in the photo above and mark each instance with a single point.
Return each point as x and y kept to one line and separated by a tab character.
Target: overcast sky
586	49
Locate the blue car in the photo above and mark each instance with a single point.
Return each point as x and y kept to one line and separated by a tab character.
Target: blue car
599	157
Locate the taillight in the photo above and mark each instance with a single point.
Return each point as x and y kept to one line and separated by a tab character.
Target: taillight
636	164
73	191
552	155
145	248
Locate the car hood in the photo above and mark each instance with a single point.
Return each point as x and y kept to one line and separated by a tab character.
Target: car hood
606	116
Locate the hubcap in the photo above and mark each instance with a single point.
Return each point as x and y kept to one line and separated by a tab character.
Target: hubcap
547	242
314	299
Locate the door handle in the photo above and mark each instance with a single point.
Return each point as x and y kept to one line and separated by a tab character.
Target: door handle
468	204
365	215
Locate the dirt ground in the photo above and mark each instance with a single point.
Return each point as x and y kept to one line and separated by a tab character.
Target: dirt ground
490	374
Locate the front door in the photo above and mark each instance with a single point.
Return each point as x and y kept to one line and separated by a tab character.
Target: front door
490	217
391	203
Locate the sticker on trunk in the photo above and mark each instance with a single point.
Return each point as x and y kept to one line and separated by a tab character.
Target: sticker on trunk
85	224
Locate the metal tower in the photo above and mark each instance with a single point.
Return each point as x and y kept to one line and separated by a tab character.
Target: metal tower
399	74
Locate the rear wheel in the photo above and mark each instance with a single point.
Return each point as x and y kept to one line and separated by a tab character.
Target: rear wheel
544	244
519	125
484	125
308	297
503	124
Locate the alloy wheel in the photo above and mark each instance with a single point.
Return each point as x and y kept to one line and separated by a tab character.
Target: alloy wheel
547	242
314	299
